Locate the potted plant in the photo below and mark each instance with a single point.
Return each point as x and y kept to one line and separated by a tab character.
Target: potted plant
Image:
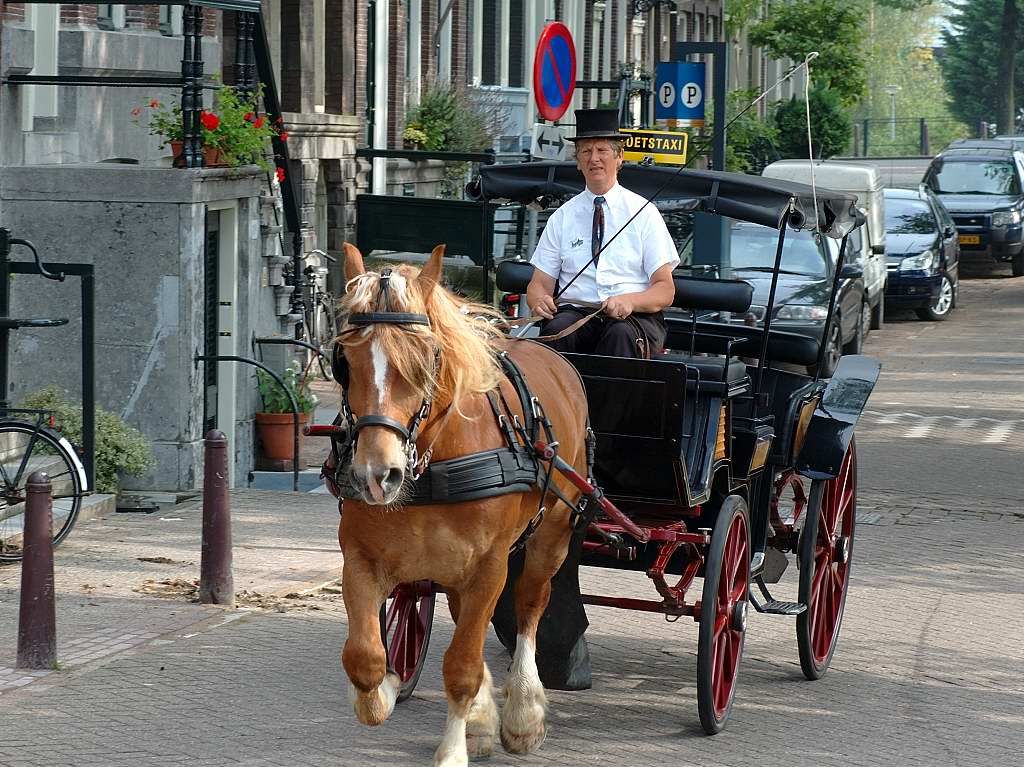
275	422
234	132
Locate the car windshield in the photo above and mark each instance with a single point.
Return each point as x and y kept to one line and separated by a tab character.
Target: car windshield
904	216
752	248
966	177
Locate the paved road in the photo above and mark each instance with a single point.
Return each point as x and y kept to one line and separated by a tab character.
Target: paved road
928	670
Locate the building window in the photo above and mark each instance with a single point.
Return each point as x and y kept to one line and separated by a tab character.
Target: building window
110	16
170	20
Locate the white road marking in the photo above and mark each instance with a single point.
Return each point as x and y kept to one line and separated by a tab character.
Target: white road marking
999	433
922	428
995	431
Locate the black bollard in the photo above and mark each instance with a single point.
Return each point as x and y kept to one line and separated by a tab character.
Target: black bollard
37	618
216	583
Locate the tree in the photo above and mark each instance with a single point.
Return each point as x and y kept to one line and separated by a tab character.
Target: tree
971	62
1009	32
833	28
830	125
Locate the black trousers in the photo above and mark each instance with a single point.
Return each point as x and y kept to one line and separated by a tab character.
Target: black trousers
639	335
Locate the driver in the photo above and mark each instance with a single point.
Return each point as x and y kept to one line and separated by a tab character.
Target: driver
631	279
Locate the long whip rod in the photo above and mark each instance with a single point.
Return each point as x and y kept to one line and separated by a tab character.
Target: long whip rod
786	76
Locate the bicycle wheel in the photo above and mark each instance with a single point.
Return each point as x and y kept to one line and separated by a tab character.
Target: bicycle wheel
324	331
25	449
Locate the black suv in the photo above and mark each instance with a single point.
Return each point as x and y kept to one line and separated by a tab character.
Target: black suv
981	183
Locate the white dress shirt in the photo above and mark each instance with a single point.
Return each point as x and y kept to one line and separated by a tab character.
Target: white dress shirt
627	263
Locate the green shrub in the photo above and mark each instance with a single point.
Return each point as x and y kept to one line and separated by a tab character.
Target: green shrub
831	128
276	401
120	448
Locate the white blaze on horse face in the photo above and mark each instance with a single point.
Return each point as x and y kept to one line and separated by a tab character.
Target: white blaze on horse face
380	370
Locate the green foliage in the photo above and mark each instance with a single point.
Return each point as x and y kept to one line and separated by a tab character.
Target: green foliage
235	126
830	125
739	13
276	401
120	448
833	28
750	141
455	119
971	61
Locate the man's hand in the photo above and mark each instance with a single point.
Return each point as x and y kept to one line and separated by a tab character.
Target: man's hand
619	307
545	307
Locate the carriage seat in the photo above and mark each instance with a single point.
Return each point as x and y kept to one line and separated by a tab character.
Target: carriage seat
712	368
691	292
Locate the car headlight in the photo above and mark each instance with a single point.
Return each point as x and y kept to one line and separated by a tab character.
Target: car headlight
802	312
1005	217
919	263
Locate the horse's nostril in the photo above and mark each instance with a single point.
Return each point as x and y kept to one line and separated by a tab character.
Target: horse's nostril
392	480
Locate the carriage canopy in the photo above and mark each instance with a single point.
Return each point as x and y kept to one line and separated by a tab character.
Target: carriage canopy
735	195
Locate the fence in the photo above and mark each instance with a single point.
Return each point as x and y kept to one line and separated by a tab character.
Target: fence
906	136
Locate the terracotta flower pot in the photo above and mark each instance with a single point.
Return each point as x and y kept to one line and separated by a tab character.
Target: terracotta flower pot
212	158
277	434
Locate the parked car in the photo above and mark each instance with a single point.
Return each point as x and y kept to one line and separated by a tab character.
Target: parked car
923	253
981	183
802	293
867	244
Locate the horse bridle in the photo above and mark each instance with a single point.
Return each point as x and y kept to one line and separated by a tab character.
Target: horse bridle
381	316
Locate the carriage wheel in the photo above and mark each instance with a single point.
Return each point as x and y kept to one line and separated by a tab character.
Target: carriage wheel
723	614
405	622
826	549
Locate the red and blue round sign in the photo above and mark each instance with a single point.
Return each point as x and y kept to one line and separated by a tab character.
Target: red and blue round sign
554	71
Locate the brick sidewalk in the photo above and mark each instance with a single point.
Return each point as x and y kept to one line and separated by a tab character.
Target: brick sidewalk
927	672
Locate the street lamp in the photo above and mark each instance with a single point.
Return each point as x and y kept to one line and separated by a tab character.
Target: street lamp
892	90
642	6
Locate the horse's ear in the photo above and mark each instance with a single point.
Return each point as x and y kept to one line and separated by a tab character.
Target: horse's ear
431	273
353	261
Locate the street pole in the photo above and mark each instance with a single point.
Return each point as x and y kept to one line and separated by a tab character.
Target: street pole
892	90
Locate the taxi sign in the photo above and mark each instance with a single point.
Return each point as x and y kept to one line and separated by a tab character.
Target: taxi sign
662	146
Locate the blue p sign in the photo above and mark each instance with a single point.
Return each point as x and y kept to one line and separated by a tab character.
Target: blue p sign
679	91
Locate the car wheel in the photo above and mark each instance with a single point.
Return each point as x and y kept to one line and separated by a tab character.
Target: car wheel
1018	265
856	344
943	303
878	314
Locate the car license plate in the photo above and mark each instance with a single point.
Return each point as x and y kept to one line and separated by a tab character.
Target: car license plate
970	239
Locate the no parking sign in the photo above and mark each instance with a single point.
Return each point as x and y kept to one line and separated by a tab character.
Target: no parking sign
554	71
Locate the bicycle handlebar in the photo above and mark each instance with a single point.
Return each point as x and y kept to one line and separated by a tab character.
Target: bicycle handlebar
59	277
10	323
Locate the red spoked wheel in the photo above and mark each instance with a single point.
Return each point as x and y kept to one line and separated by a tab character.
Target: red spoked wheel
826	550
723	614
405	623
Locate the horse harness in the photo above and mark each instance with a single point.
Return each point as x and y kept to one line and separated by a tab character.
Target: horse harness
515	467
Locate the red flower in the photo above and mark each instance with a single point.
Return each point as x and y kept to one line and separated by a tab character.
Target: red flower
284	135
247	117
209	120
279	121
258	123
280	174
154	104
136	111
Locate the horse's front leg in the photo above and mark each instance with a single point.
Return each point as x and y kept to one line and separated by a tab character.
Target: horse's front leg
472	713
374	691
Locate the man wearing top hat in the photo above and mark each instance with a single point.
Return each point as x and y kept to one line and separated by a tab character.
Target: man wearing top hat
628	273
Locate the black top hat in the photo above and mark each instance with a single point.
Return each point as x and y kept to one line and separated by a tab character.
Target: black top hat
597	123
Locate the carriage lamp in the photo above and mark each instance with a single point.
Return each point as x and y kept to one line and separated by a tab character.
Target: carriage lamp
1005	218
642	6
919	263
802	312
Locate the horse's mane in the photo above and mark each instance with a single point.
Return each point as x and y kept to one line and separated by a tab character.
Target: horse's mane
460	332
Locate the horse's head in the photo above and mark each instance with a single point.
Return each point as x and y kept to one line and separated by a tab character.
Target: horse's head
408	348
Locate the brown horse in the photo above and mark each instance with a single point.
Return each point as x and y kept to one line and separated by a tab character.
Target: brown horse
451	362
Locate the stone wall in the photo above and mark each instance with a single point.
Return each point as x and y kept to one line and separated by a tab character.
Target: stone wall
143	229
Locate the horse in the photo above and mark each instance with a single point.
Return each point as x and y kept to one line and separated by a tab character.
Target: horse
421	362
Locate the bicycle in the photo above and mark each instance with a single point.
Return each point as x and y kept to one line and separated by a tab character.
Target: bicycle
319	315
30	441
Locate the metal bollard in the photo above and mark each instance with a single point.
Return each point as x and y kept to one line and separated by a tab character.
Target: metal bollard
216	583
37	617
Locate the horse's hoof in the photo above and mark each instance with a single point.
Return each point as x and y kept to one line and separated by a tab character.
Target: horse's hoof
451	760
523	742
479	746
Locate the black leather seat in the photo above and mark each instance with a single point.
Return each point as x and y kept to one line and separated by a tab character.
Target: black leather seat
711	368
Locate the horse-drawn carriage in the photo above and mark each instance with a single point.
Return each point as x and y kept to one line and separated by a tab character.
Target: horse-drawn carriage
715	458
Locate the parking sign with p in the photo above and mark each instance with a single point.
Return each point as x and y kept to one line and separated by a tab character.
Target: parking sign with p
679	92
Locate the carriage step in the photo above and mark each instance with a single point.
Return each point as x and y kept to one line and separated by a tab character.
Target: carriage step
778	607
